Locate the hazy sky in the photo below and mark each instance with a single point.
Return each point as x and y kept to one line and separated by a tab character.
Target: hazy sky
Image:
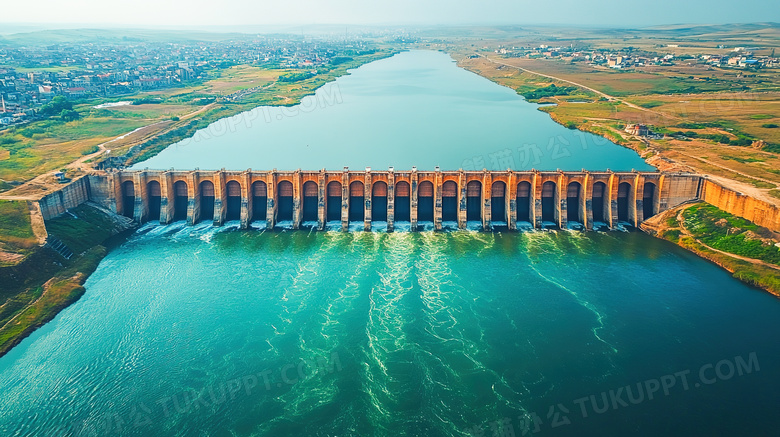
248	12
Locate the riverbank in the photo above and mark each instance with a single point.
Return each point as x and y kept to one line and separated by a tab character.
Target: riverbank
277	93
51	278
747	251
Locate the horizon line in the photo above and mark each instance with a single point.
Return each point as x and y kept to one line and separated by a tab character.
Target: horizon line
221	28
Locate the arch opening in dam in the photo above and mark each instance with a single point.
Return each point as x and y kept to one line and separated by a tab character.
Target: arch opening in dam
206	200
649	199
549	201
402	202
180	200
128	199
379	202
259	200
598	206
425	202
498	202
357	198
154	192
573	212
474	201
233	207
334	202
523	202
623	197
449	201
286	192
310	201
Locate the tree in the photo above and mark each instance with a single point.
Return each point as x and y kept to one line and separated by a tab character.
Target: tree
69	115
56	106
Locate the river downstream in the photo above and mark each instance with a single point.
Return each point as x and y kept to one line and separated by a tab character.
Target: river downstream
331	333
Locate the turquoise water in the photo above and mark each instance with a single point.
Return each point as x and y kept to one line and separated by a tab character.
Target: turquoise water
414	109
199	331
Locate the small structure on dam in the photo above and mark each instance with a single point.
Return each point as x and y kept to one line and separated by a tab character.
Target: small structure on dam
492	198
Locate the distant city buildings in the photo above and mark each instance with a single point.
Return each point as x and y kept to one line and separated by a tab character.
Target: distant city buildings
32	76
630	57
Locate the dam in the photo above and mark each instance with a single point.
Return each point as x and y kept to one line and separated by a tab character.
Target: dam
322	198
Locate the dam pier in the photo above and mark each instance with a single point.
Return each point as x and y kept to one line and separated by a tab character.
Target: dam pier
491	198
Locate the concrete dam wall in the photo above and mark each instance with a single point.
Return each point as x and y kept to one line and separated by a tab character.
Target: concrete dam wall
749	208
318	198
69	196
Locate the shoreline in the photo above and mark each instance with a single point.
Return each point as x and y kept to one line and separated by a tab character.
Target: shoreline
728	262
59	280
731	264
742	268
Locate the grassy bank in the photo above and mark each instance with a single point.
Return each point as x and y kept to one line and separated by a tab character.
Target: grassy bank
39	147
38	288
755	275
723	231
708	232
16	235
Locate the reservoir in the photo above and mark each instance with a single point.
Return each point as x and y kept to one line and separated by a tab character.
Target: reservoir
203	330
416	108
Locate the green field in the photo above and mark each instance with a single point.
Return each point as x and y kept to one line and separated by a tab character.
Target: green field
51	144
54	69
16	234
715	127
36	289
729	233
